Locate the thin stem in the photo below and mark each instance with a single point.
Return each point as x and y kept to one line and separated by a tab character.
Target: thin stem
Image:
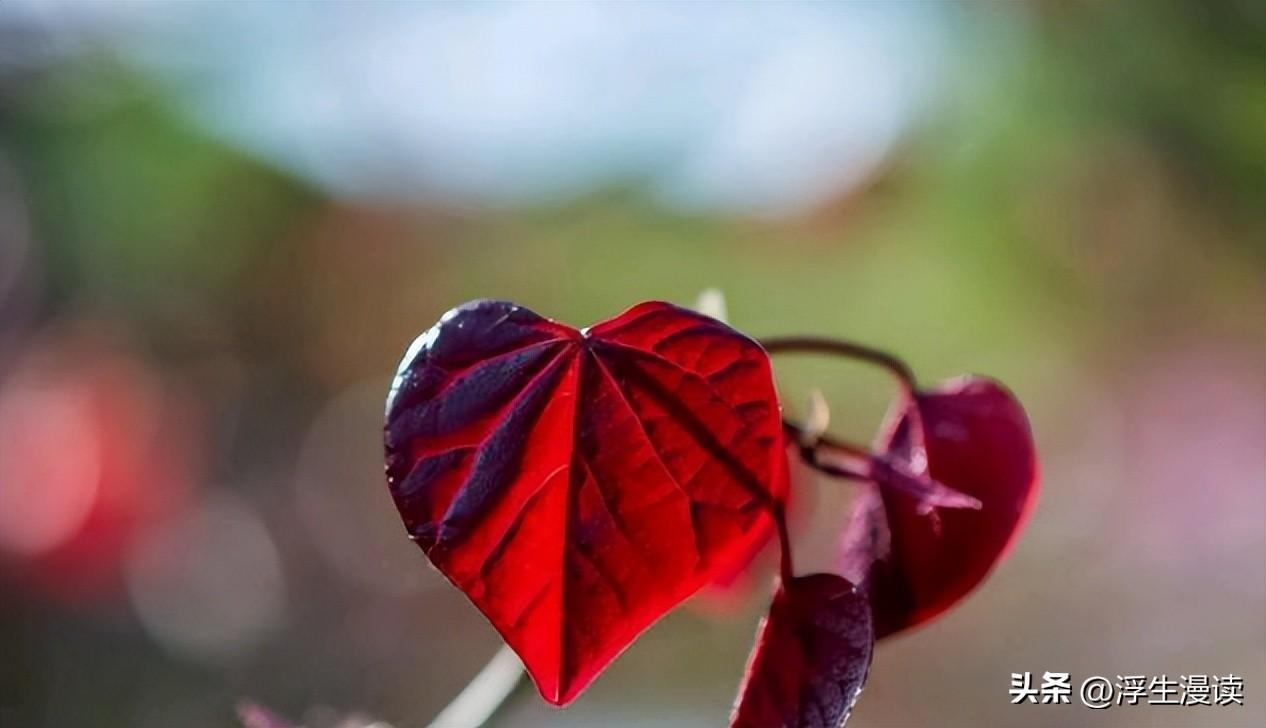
784	543
858	457
797	433
855	463
483	696
841	347
852	350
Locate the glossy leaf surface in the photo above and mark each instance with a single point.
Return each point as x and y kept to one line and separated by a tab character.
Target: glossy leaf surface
974	438
576	485
811	657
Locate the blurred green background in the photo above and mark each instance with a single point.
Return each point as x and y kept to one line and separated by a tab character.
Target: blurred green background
220	225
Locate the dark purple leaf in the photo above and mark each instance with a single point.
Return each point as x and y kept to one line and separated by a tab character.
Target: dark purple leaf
972	436
811	657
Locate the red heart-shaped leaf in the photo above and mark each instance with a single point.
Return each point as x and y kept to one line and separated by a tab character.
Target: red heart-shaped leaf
973	436
811	658
577	485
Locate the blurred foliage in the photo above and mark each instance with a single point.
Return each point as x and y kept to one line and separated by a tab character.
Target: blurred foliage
132	205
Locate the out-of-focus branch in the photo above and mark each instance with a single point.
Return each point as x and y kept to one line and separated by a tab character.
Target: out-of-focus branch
845	348
479	701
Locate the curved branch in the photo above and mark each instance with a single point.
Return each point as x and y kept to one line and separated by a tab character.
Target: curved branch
841	347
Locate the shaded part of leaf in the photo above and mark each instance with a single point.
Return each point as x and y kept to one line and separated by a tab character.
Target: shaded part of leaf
866	537
474	332
497	461
866	558
484	328
475	394
413	494
811	658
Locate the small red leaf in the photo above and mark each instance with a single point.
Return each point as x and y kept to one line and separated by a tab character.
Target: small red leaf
975	439
811	658
577	485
